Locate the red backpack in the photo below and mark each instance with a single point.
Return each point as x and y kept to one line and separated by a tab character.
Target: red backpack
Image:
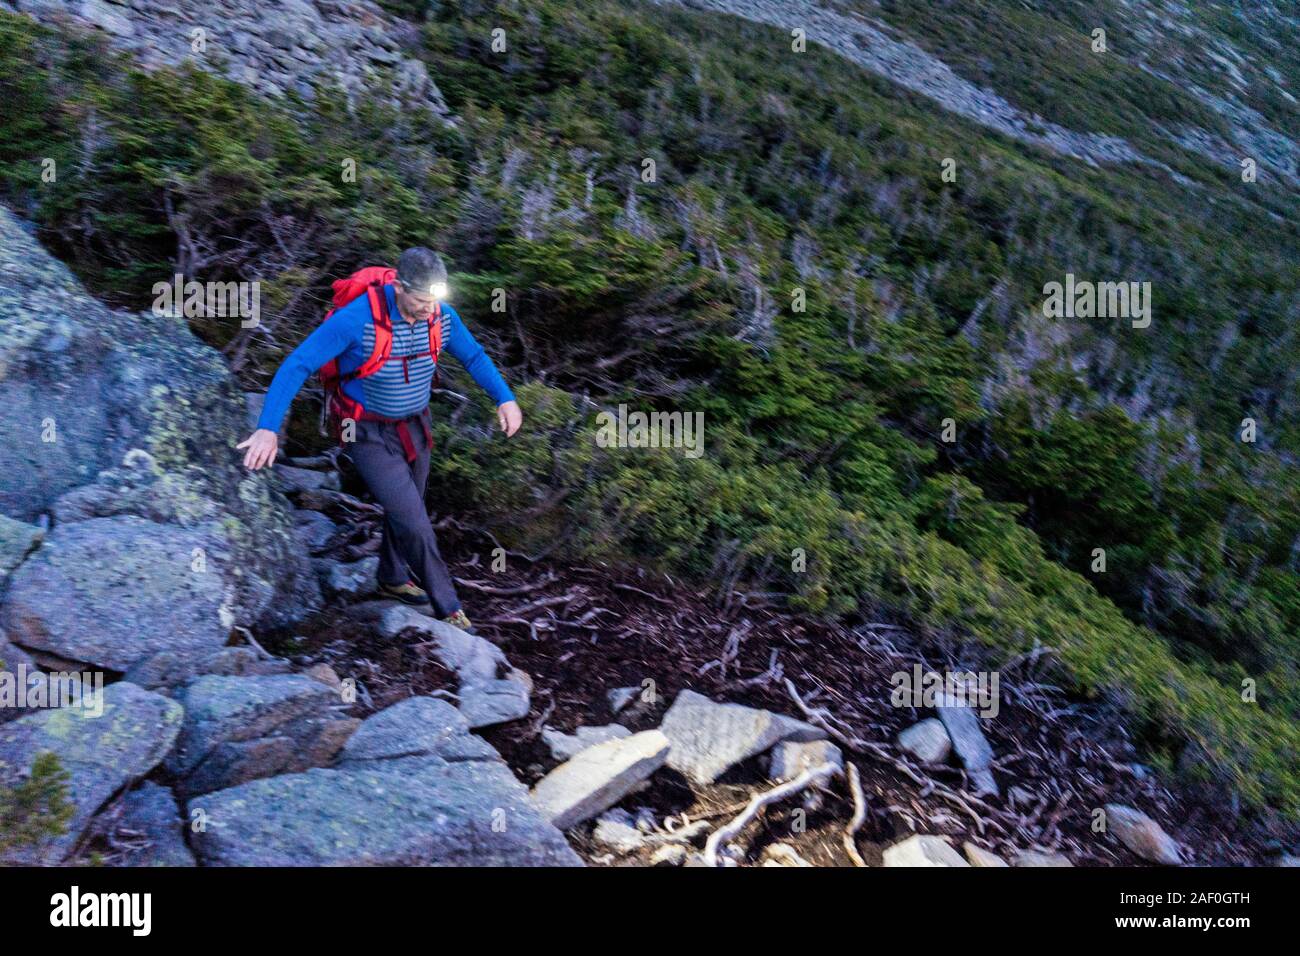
339	406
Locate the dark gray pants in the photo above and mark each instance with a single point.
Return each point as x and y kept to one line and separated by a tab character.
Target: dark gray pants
409	550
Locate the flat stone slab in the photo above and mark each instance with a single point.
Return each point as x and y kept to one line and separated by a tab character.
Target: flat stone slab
101	754
971	746
708	738
473	658
599	777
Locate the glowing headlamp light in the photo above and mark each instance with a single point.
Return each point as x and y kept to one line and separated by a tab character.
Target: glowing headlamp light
438	290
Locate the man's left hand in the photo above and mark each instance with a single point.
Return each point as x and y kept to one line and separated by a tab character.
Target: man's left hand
510	417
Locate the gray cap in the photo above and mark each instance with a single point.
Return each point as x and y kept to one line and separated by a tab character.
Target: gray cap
419	268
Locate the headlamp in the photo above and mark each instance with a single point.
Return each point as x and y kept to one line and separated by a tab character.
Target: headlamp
438	290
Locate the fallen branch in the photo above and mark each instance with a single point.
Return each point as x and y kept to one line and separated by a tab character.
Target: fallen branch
252	641
859	815
619	586
758	801
505	592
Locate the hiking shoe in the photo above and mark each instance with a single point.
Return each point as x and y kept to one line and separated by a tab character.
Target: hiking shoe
461	621
408	592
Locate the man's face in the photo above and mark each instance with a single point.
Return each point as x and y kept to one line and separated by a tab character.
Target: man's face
414	304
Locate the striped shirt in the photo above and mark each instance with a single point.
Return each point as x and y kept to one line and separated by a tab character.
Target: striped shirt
401	388
349	336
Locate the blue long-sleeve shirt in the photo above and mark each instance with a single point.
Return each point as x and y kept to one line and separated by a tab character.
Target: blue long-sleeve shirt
401	387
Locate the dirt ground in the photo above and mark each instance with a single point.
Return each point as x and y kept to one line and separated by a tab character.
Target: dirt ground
580	631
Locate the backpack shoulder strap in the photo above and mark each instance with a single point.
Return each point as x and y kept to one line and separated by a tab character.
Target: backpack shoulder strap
383	325
435	332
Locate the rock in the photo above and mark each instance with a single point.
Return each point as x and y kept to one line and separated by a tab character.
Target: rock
669	855
473	658
378	811
238	729
493	702
324	674
348	582
968	740
318	741
416	727
978	856
620	697
137	593
234	762
791	758
253	401
489	690
315	530
563	746
150	810
1142	835
599	777
142	414
922	850
1019	796
927	741
15	665
781	854
18	539
617	830
170	669
293	479
411	79
311	47
100	14
709	738
100	754
1039	858
876	47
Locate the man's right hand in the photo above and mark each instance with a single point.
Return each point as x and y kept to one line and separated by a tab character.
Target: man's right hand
262	445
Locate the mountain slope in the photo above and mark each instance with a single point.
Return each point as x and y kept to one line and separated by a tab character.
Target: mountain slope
800	271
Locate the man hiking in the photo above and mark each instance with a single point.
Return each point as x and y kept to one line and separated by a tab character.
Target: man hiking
377	353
